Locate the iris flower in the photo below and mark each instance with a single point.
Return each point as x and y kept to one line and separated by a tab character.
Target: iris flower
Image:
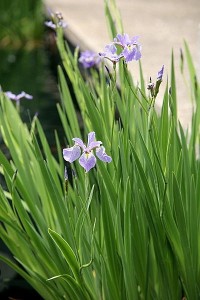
19	96
52	25
89	59
57	21
154	88
160	73
87	159
131	47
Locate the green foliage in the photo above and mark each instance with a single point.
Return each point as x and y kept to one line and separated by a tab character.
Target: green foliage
125	230
17	27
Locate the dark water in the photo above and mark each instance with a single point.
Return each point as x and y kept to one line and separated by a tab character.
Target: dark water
28	62
35	72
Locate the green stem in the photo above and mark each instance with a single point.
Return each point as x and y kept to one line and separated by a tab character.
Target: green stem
129	84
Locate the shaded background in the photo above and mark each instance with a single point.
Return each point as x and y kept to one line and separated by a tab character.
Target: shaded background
28	62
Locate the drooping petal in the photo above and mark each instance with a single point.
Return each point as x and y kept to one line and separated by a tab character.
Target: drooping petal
71	154
101	154
79	142
138	52
110	48
50	24
58	22
131	52
87	161
25	95
19	96
11	95
110	53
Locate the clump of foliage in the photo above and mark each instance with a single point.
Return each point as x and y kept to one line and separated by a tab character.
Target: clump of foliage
128	229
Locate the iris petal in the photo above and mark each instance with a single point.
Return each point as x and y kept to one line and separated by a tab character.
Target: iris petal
91	138
71	154
87	161
89	58
160	73
93	145
101	154
79	142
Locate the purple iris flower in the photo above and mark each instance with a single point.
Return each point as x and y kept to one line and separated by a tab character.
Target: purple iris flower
160	73
89	59
124	40
19	96
131	47
154	88
87	159
52	25
110	53
57	21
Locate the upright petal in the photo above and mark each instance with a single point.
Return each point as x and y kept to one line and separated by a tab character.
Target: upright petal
93	145
91	142
101	154
91	138
79	142
71	154
87	161
122	39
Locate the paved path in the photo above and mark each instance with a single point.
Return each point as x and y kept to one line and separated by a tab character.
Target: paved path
160	24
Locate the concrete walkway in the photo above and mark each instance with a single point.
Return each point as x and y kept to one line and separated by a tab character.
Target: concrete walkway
160	24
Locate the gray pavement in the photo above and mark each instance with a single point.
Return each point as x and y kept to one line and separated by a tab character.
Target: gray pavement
161	25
